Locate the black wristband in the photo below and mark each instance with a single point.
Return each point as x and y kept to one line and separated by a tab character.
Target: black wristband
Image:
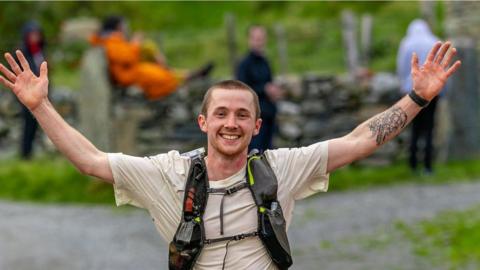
418	99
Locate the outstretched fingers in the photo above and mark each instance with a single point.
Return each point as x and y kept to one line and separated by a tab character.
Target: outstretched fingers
414	62
6	83
442	52
453	68
7	73
44	70
433	52
23	61
451	54
13	64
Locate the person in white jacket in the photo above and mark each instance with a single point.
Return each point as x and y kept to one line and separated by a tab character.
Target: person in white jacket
419	40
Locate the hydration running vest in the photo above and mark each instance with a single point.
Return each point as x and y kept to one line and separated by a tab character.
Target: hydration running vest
190	238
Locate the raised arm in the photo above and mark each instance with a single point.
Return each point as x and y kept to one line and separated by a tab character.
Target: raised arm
32	91
428	80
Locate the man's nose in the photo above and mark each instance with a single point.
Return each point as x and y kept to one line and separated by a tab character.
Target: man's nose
231	122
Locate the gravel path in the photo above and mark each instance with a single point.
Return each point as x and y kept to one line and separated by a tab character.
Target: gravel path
350	230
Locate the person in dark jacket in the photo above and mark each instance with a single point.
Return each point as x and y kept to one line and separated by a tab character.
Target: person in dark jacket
254	70
33	47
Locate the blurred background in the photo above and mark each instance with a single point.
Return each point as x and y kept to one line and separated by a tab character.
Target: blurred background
337	64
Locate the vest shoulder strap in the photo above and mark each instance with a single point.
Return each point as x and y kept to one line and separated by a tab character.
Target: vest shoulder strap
262	180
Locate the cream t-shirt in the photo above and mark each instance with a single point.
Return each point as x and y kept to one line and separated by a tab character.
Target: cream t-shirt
157	184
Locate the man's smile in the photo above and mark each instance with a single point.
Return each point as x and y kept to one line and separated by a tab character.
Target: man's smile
230	137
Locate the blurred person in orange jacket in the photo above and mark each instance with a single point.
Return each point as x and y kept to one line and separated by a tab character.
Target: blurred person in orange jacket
128	67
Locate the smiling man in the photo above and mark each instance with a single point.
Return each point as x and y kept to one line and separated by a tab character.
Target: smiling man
227	210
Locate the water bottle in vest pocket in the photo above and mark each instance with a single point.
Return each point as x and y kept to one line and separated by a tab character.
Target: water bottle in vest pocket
274	236
184	249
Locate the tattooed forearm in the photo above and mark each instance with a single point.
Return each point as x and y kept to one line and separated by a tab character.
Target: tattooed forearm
387	123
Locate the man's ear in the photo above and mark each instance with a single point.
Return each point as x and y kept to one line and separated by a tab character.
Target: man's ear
202	122
258	124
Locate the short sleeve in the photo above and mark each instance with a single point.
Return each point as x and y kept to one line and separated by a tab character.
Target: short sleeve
140	181
302	171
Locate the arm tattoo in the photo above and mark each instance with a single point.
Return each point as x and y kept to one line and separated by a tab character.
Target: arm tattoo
387	123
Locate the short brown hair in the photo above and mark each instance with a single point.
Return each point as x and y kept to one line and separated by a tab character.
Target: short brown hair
230	85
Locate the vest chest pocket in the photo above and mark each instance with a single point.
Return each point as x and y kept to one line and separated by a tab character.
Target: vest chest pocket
185	249
274	236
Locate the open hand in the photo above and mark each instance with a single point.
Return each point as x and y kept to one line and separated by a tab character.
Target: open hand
29	89
429	78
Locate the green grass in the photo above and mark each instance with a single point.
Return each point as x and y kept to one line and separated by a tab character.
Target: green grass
313	31
450	239
51	180
192	33
358	177
54	179
62	77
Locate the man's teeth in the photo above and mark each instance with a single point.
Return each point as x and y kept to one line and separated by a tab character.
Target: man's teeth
230	137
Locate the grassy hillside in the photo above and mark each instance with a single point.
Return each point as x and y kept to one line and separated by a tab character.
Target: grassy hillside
313	31
192	33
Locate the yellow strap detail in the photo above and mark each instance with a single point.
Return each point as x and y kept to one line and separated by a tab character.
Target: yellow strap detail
251	180
197	219
261	209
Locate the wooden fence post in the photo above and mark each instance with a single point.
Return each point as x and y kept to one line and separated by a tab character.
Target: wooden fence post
366	38
349	26
231	41
94	99
282	48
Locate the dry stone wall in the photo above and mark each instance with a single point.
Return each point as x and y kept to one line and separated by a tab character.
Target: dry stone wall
316	108
462	26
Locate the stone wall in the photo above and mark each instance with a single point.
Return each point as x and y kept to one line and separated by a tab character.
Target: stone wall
462	19
316	108
462	26
11	122
326	107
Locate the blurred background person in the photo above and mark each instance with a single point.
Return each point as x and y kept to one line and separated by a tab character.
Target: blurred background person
254	70
128	66
33	47
419	40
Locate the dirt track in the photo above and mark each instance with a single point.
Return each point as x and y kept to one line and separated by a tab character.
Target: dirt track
330	231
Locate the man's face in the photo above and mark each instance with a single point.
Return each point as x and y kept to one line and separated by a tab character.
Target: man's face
34	37
230	122
257	39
